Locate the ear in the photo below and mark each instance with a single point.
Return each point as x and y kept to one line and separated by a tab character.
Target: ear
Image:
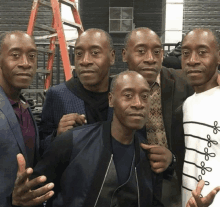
124	55
112	59
110	99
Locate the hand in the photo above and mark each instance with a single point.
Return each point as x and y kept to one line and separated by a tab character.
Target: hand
160	157
22	194
69	120
196	201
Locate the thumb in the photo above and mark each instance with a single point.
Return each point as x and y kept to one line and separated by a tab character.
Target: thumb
148	147
21	163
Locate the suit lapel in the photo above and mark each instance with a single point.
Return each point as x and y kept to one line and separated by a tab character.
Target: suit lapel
8	111
167	88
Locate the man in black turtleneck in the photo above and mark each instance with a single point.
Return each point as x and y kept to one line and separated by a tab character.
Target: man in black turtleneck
85	99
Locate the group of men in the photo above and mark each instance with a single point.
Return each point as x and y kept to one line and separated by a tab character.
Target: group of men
112	142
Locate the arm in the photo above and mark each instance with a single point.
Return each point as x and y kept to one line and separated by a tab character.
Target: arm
157	190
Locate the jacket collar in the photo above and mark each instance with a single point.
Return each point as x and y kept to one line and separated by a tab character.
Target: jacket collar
167	89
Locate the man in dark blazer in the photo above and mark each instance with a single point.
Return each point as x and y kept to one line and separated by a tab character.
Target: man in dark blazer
102	164
143	53
18	130
84	99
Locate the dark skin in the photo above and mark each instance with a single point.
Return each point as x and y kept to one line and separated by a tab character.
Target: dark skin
144	55
130	101
18	63
93	58
200	60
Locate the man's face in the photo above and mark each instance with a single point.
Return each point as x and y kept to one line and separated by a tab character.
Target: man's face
144	54
130	101
93	58
200	57
18	61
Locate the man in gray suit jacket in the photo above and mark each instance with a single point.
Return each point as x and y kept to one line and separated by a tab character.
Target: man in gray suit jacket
18	130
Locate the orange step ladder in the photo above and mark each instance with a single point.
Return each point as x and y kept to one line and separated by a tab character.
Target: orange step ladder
56	33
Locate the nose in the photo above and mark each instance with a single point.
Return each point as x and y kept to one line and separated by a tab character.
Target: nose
86	59
193	59
149	57
24	62
137	102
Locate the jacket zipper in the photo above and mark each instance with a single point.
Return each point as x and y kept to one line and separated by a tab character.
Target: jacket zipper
104	179
137	187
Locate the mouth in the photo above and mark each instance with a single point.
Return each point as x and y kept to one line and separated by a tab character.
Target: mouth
148	69
86	71
24	74
194	71
137	115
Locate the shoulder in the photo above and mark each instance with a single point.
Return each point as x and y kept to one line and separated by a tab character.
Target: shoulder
57	88
171	73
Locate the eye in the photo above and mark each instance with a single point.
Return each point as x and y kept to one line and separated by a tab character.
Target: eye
145	96
78	53
95	52
128	95
32	55
15	55
141	50
202	52
185	53
156	52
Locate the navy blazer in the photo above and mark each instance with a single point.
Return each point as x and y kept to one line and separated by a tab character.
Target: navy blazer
77	161
59	101
11	143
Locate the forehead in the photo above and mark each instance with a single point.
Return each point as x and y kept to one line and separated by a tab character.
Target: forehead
18	41
146	38
131	82
199	38
92	38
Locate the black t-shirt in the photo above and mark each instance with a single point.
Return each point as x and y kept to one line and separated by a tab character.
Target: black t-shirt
123	156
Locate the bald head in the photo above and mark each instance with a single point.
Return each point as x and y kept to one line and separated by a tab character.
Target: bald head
138	30
8	35
125	75
101	32
208	32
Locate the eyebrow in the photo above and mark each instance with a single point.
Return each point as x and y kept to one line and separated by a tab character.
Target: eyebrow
92	47
132	89
198	46
144	45
19	49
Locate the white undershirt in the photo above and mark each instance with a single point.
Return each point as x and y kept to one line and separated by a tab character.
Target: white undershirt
202	141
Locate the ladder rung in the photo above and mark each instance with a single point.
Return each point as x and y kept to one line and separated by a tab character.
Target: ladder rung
41	70
45	37
44	27
44	3
32	90
73	67
71	24
44	50
68	3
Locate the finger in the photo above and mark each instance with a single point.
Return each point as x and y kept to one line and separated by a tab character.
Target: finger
73	116
192	202
21	163
157	170
64	124
20	190
31	195
156	158
80	120
210	197
200	186
22	177
40	200
197	198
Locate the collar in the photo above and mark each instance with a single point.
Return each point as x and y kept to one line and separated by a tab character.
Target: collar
22	102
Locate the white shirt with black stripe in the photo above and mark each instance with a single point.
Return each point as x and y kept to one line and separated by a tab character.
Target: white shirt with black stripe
201	122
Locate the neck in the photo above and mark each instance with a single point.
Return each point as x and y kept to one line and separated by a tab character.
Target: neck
10	92
213	82
121	133
100	87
